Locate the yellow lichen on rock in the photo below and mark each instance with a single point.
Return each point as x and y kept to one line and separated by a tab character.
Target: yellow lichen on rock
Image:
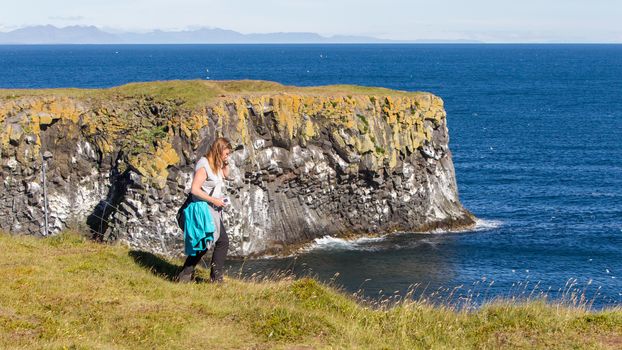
45	111
423	101
5	137
103	144
364	144
392	158
309	130
65	109
220	111
167	154
286	110
154	167
243	115
191	125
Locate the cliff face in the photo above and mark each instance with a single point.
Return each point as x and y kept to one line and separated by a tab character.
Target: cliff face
308	162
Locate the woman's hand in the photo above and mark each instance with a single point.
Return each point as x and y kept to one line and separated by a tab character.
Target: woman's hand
218	202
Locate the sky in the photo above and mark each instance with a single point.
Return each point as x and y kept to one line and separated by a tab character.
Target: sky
483	20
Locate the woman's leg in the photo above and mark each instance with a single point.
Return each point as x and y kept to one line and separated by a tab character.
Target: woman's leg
191	262
218	257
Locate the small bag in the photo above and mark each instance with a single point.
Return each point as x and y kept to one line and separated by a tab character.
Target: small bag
181	218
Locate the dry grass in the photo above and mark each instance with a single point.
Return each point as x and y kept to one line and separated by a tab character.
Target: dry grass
68	292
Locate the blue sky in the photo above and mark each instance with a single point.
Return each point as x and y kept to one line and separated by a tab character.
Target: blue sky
484	20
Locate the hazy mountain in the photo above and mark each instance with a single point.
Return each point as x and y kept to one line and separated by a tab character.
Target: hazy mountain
92	35
197	36
53	35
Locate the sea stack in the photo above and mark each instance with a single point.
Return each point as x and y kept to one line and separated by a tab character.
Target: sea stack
308	162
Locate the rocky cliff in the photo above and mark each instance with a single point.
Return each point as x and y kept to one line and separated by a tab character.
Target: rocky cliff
308	162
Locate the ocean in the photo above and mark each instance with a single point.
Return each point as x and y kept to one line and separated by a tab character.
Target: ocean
536	136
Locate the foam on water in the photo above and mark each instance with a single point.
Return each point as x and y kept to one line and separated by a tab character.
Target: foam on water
487	225
366	243
333	243
480	225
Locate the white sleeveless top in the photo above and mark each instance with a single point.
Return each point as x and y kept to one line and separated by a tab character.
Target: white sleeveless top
213	182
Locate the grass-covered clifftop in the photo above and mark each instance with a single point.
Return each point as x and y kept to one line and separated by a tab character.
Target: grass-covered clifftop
66	292
193	93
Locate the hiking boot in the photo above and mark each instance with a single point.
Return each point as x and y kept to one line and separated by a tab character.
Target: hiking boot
186	275
216	275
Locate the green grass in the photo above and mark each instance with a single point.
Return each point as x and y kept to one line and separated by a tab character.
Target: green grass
68	292
194	93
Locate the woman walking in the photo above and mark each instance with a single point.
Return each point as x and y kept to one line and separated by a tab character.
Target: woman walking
203	222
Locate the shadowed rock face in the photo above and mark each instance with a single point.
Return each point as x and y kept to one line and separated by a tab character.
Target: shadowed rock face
307	163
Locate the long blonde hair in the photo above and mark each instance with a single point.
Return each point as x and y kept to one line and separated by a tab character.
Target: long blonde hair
214	154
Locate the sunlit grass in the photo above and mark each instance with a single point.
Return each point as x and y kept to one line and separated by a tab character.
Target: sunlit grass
66	291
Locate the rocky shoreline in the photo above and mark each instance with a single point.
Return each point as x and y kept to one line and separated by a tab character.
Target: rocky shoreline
309	162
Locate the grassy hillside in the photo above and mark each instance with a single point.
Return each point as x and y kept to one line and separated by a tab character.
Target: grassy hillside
66	292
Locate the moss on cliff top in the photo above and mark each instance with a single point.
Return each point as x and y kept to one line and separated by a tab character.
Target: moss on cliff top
194	93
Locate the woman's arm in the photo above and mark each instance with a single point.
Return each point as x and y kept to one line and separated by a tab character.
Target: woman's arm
197	181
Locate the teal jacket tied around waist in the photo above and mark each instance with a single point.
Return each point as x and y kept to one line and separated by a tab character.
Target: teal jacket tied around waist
199	228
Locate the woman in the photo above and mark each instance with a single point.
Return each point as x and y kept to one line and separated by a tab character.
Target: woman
203	222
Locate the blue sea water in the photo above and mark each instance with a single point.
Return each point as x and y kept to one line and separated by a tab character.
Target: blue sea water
536	136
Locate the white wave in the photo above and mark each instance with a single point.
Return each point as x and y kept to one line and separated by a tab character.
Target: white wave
333	243
367	243
360	240
486	225
480	225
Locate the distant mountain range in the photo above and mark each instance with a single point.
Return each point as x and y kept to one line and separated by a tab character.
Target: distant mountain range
49	34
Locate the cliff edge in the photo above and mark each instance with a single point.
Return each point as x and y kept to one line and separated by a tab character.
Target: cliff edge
308	162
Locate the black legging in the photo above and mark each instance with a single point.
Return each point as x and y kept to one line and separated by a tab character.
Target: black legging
218	257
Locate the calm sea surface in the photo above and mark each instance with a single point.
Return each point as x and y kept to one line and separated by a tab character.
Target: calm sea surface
536	134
